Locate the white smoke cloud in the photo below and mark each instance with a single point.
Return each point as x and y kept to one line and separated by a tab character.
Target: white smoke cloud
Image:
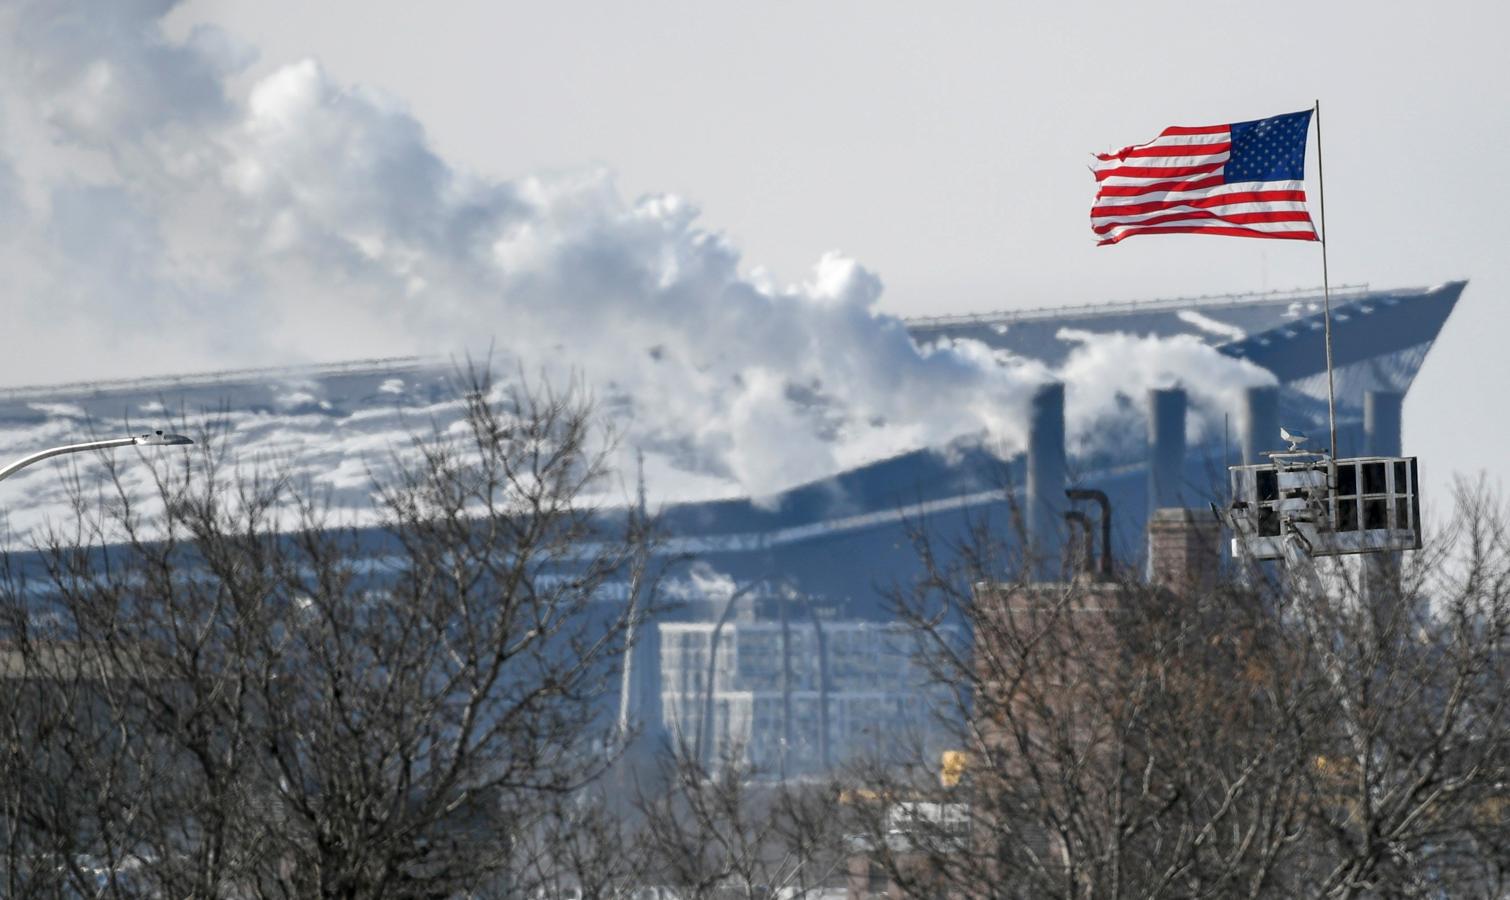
1108	377
157	215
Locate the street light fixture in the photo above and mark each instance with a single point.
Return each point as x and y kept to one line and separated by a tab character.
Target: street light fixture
157	438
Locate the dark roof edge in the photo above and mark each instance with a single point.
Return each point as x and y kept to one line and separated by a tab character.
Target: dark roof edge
225	376
1348	292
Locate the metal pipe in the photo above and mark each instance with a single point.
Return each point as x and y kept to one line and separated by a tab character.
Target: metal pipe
1326	292
1080	520
1101	500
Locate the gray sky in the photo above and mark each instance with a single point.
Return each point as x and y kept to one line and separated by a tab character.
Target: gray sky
944	145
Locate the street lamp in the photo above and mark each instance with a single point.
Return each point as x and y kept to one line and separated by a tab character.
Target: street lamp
157	438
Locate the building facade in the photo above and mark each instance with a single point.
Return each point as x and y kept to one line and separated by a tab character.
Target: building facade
796	698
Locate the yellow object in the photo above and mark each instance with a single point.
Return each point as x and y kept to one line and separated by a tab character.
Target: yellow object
952	767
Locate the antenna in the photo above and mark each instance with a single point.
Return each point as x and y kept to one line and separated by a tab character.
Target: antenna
639	461
1326	291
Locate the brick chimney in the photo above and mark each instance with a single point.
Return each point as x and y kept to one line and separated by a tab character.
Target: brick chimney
1184	549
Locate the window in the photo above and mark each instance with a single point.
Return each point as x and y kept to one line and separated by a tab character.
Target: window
1374	495
1268	485
1347	480
1347	499
1347	512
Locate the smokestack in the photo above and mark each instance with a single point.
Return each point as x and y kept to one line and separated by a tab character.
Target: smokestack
1166	447
1380	574
1381	422
1184	549
1046	504
1260	423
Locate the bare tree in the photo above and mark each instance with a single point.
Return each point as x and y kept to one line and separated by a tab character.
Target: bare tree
586	848
726	834
1411	795
1091	717
237	695
231	693
1250	737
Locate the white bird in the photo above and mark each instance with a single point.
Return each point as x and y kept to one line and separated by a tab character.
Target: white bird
1294	437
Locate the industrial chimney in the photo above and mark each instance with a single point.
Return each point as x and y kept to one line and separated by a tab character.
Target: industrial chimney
1045	506
1166	447
1260	423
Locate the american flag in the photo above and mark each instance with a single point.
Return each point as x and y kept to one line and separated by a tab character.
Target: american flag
1246	179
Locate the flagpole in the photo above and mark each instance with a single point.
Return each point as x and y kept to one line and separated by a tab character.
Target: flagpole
1326	292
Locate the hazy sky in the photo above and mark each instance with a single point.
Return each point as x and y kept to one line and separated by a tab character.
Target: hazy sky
944	146
212	200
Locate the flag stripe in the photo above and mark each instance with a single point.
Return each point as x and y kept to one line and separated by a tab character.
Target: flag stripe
1306	235
1175	149
1139	165
1243	217
1195	143
1209	222
1138	190
1269	221
1131	196
1159	171
1198	129
1195	200
1246	217
1212	222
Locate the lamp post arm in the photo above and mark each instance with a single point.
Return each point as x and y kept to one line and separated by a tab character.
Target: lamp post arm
154	438
22	463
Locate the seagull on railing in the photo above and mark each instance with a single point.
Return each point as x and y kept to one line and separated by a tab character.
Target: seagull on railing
1294	437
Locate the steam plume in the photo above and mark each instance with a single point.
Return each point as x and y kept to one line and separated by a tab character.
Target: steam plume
157	214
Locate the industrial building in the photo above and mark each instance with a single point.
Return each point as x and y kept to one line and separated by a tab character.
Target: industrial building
784	695
791	693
